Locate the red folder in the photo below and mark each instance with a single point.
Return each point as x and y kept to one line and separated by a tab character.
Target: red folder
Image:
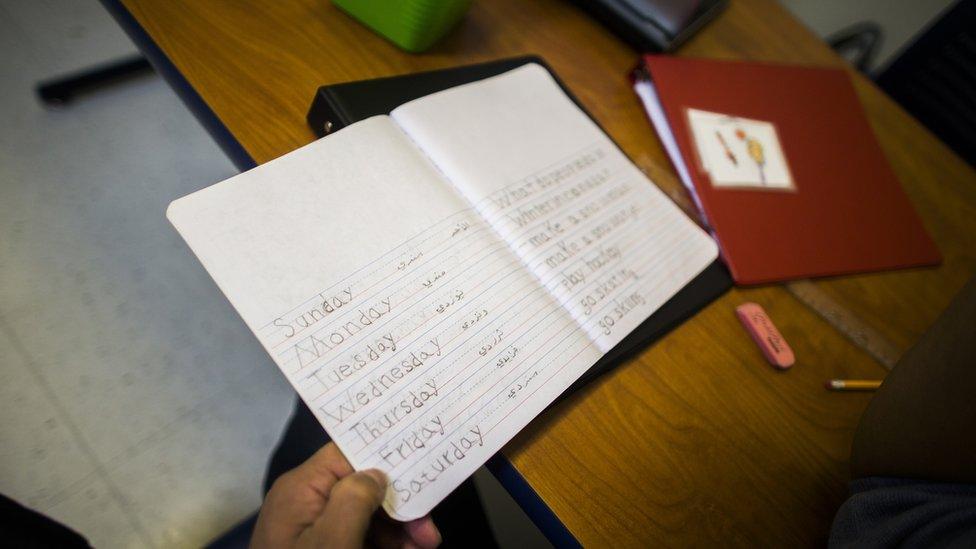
847	213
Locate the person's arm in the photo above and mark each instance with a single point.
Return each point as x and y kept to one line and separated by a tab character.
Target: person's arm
922	422
324	503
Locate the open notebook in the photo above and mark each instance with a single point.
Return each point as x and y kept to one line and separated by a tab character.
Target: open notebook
429	281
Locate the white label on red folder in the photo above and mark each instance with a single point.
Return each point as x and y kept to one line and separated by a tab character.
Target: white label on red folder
739	152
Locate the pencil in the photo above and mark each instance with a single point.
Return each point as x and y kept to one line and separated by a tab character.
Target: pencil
853	384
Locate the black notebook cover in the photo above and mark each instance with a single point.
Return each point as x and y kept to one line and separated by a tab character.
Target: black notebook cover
338	105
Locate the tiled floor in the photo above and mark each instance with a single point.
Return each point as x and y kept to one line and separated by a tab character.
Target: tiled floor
135	406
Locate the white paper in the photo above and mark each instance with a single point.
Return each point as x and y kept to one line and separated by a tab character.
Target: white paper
533	164
652	105
415	316
739	152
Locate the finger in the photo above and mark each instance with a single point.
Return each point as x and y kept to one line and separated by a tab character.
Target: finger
385	533
423	532
347	514
321	471
290	507
299	495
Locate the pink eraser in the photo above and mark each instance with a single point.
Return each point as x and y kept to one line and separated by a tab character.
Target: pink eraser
765	334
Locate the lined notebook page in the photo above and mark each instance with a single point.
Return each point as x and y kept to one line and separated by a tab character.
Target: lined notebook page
391	306
591	227
426	321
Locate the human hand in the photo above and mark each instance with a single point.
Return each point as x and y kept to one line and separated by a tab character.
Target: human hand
324	503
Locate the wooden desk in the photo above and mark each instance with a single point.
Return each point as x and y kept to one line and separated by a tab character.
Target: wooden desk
695	441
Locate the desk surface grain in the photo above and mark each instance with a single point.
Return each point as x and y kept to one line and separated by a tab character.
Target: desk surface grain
695	440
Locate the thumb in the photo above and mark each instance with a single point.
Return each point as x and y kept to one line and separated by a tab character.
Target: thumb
349	510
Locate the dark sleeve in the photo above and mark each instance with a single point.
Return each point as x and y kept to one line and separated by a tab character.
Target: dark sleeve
890	512
922	422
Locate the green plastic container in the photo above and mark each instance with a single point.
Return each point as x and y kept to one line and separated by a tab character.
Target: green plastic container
414	25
